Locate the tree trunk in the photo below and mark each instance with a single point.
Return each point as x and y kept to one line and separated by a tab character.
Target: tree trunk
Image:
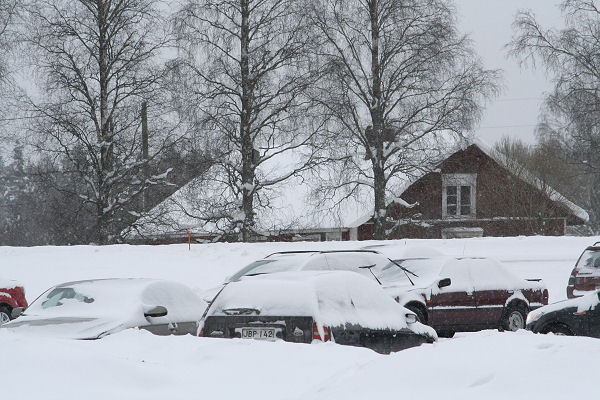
376	108
247	147
104	134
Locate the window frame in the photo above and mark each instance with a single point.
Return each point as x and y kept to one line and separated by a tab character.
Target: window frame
458	180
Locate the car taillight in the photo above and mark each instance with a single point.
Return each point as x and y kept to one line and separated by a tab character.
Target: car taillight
201	332
545	294
317	335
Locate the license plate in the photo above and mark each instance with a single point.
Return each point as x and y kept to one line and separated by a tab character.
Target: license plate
258	333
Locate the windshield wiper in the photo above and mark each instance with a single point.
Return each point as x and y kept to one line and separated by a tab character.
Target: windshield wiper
371	271
406	271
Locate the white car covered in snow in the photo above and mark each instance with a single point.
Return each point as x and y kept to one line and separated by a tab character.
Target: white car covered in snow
92	309
300	307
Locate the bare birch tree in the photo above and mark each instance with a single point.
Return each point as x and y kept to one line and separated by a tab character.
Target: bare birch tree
401	78
245	72
98	62
572	55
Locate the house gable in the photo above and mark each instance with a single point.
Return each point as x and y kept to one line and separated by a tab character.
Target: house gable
471	189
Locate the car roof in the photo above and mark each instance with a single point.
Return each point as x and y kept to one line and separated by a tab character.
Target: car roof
310	252
140	280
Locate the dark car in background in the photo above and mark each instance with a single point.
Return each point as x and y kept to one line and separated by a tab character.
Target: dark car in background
578	316
12	296
455	294
338	306
585	276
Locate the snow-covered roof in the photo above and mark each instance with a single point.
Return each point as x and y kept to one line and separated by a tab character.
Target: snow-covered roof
291	209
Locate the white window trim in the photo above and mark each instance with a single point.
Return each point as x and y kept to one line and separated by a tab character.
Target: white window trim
459	180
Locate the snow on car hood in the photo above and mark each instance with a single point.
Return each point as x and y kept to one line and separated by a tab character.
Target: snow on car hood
331	298
89	309
585	303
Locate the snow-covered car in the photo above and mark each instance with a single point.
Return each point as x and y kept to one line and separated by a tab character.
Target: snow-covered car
92	309
585	276
12	296
365	262
300	307
463	294
578	316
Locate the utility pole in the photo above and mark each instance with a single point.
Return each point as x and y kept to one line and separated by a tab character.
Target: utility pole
145	169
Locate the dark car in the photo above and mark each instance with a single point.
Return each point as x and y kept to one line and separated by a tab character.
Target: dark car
12	296
300	307
585	277
92	309
579	316
463	294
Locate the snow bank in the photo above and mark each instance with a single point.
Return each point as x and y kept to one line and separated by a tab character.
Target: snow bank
137	365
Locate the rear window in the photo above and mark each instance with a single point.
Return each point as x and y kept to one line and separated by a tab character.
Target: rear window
589	259
279	263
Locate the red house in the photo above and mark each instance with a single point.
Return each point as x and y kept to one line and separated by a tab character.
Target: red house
475	192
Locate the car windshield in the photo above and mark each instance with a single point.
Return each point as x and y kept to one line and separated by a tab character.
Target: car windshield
278	263
589	259
86	299
425	269
57	297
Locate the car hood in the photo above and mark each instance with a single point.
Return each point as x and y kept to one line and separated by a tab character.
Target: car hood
65	327
582	304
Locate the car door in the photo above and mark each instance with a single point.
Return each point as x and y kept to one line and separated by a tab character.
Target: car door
453	306
492	290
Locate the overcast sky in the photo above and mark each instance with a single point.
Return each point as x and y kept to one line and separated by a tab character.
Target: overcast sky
488	22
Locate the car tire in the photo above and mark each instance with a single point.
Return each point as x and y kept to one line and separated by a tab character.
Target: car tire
514	318
5	314
421	315
558	329
446	333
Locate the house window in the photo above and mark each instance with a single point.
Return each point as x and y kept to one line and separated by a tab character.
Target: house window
458	195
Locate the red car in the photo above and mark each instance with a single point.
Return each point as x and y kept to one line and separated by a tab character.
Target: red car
585	277
463	294
12	295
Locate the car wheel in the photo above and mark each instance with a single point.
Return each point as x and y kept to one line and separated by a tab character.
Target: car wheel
421	316
514	318
446	334
4	314
558	329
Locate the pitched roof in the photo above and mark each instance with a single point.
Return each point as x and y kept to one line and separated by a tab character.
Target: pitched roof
523	174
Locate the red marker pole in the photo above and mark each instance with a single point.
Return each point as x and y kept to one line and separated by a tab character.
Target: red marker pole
189	240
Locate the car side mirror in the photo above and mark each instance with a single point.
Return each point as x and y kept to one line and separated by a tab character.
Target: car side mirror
411	318
16	312
444	282
158	311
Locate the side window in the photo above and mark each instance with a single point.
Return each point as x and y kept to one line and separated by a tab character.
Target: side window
460	275
490	275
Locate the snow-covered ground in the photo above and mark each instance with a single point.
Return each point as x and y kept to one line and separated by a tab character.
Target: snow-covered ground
138	365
